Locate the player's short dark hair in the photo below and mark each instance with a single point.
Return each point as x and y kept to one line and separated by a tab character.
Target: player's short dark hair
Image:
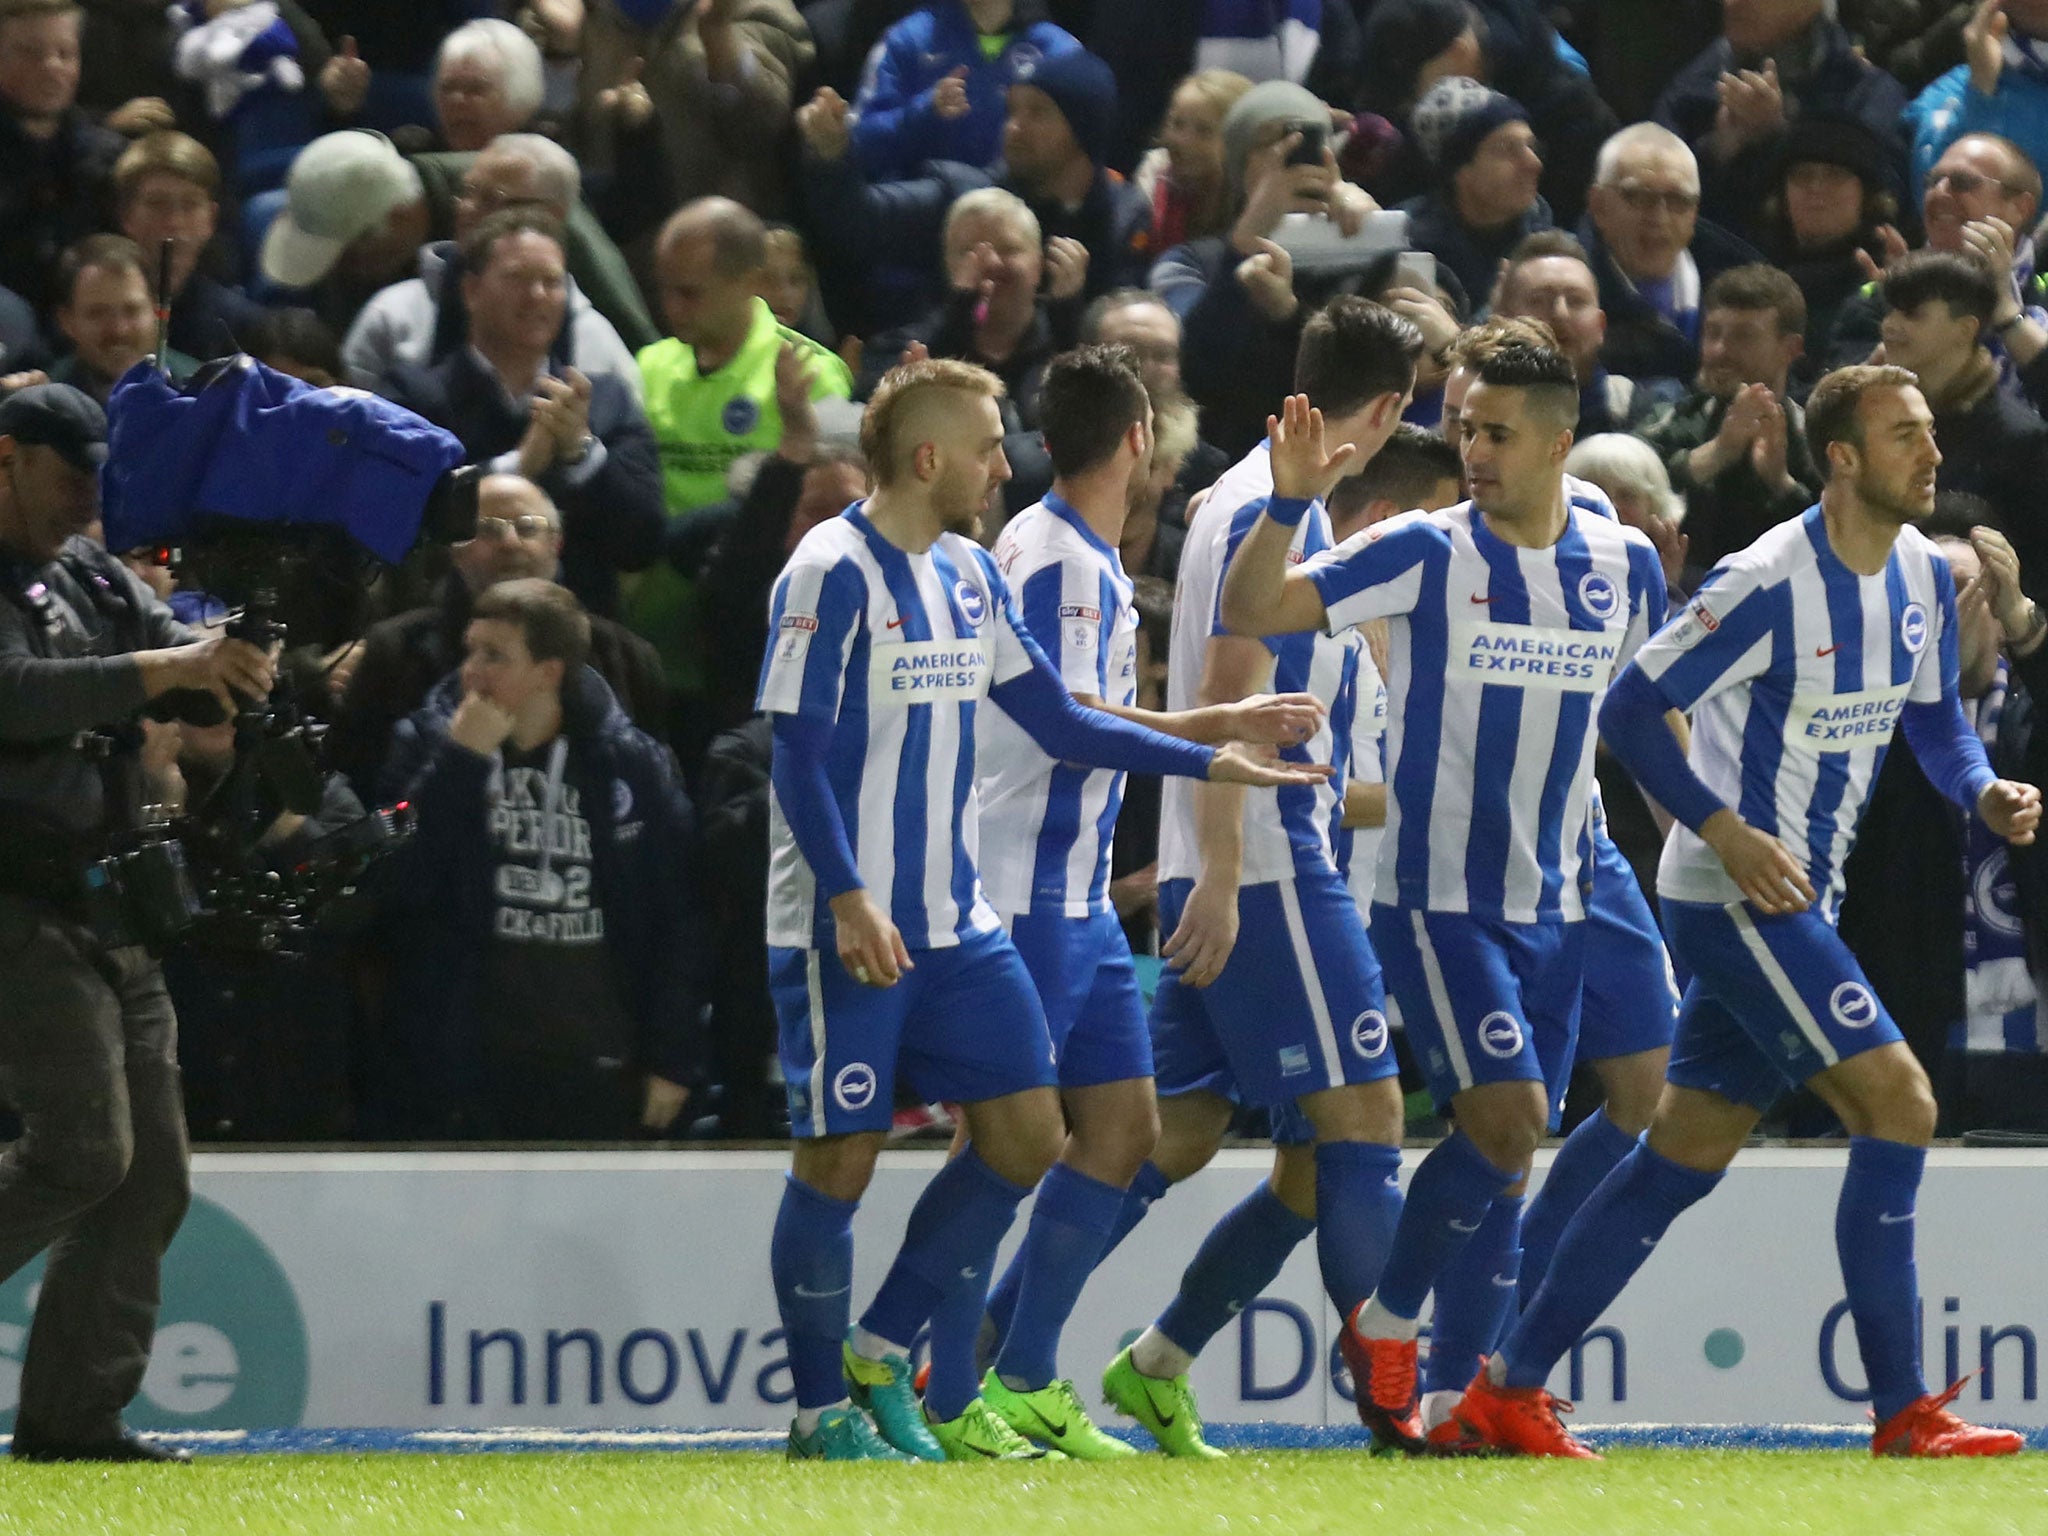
1410	464
1090	398
1352	351
552	622
1831	410
481	243
1544	372
1759	286
1961	282
104	253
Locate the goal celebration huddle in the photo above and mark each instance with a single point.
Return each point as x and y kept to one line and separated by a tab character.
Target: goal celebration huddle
1393	661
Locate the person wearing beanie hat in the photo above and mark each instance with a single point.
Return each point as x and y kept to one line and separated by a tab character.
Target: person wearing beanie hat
1483	155
1828	207
1082	88
1060	121
937	86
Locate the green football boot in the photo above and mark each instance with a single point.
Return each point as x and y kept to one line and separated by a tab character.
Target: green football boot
1166	1407
1052	1416
980	1434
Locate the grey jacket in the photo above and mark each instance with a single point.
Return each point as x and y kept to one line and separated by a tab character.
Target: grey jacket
69	673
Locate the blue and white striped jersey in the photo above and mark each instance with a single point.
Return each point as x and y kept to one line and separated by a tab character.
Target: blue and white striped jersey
1795	670
1293	824
1358	848
896	652
1046	826
1498	660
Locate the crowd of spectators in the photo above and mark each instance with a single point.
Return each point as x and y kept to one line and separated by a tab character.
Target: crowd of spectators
644	258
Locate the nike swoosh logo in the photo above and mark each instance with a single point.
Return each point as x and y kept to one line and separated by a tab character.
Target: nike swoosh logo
1649	1242
969	1274
897	622
1892	1221
1478	599
1393	1181
1828	650
1059	1431
822	1295
1233	1307
1459	1226
1507	1282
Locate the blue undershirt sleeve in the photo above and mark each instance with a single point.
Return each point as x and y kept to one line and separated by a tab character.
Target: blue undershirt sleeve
1948	751
801	788
1632	723
1038	701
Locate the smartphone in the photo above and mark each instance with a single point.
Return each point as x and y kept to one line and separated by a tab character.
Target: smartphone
1315	138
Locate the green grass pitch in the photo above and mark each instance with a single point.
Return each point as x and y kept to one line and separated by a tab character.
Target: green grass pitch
1756	1493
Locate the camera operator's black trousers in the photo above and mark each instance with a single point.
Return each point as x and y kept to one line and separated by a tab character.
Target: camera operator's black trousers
102	1173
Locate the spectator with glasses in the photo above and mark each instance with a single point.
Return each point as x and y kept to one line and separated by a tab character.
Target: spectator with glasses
1981	197
1651	252
399	659
420	320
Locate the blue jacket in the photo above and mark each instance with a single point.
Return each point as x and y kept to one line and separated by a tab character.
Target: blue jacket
1949	108
896	129
438	905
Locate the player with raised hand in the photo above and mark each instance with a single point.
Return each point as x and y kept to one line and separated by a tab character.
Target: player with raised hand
1799	657
889	626
1507	617
1272	996
1628	1008
1045	847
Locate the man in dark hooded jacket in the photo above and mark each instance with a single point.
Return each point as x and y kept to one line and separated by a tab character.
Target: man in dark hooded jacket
543	926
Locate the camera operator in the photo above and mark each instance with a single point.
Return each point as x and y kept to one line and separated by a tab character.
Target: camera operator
88	1040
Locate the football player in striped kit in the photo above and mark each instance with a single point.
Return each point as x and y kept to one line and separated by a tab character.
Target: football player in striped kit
1800	658
1508	615
888	628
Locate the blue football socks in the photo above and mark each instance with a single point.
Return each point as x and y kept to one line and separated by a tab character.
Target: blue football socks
1475	1298
1447	1200
1070	1222
1237	1260
955	1227
1874	1240
1358	1206
1588	1155
1603	1246
811	1258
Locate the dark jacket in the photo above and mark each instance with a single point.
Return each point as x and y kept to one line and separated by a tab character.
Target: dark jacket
735	843
439	899
1472	256
1997	448
53	192
612	510
1641	343
892	231
210	319
948	331
1733	509
406	655
1828	78
21	342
